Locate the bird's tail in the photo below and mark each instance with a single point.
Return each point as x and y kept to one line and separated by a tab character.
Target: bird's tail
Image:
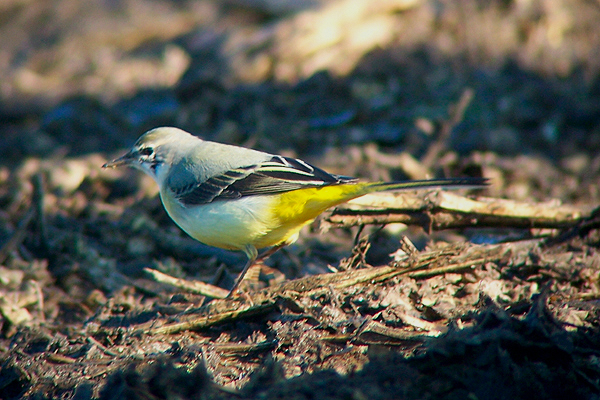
337	194
444	183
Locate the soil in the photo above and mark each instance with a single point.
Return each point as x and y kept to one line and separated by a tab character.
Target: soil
495	308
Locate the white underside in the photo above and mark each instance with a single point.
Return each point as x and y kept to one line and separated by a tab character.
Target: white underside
230	224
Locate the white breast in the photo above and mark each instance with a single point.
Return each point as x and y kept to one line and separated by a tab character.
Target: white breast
230	224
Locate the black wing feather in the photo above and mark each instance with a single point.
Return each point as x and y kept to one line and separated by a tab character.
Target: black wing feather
278	175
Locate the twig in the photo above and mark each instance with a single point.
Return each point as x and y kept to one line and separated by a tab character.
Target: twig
60	359
35	210
581	229
99	345
38	204
235	312
196	287
243	348
457	112
469	264
447	210
18	235
375	332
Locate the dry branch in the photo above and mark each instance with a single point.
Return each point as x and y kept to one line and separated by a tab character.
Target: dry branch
446	210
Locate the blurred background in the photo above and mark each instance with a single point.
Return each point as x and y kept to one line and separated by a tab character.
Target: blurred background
81	77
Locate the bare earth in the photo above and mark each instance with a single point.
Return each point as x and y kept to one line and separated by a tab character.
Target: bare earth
490	294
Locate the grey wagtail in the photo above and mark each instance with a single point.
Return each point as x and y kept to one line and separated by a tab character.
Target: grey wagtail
242	199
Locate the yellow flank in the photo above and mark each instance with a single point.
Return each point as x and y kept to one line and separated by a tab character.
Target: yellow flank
293	210
306	204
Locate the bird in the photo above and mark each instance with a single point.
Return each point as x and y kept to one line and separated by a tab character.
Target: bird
242	199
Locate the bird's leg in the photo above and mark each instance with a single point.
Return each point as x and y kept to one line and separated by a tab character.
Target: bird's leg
253	257
269	252
249	263
252	254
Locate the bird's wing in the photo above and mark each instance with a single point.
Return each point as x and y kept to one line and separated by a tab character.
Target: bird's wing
277	175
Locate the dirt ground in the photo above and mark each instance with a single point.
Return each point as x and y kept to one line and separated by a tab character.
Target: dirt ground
478	294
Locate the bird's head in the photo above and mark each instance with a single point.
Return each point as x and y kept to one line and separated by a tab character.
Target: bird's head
156	151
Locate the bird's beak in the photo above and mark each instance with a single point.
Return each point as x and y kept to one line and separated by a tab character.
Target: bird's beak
126	159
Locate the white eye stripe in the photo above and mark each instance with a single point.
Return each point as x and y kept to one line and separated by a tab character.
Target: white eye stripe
146	151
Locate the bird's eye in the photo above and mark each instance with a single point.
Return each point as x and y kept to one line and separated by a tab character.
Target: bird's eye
147	151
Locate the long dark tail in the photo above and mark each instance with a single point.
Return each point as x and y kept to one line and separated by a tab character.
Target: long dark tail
444	183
